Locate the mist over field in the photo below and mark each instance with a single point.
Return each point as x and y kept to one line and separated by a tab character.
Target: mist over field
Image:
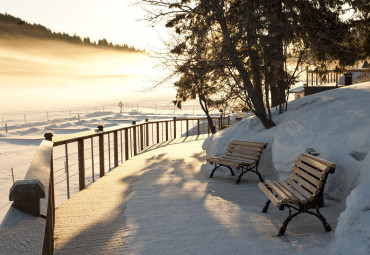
46	75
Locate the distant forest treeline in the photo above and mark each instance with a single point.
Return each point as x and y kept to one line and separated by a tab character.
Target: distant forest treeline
12	27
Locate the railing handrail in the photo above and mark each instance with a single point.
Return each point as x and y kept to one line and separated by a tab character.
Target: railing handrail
318	76
63	139
339	71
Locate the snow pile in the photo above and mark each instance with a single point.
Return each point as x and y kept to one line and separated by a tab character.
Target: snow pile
336	123
354	222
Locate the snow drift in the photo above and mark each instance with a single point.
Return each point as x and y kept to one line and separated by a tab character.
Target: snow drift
335	123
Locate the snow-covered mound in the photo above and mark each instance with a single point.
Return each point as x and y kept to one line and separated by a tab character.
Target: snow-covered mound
336	123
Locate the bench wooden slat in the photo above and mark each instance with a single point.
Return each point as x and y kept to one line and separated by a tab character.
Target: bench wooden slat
314	163
249	143
292	197
316	182
250	148
241	155
242	147
309	169
301	190
296	193
224	162
322	161
240	161
269	195
278	191
304	183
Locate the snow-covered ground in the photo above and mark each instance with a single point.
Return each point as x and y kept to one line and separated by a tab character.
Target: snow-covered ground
19	145
336	124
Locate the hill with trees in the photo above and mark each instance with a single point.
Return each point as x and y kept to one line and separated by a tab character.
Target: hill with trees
16	28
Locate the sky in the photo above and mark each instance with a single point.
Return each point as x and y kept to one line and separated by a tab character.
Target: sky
116	20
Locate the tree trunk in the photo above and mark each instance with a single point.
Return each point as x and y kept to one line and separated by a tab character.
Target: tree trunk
203	105
277	81
254	92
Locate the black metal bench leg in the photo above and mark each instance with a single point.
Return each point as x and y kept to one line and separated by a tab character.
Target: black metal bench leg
321	217
259	176
240	176
217	166
286	222
231	170
323	220
213	171
266	207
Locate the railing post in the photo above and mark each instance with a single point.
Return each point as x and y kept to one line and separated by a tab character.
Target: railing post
147	131
141	137
311	79
48	247
157	132
174	127
187	127
101	151
198	127
166	130
126	144
49	136
307	76
67	169
92	159
109	152
26	195
115	148
121	146
228	120
81	163
134	137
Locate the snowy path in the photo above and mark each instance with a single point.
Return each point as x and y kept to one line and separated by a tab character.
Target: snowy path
162	202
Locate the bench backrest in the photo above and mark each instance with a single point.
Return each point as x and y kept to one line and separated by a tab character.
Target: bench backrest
245	149
309	173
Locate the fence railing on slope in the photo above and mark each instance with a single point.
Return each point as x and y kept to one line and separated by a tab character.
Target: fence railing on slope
36	193
90	155
317	77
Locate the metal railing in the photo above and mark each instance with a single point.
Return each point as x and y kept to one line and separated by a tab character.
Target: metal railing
90	155
102	149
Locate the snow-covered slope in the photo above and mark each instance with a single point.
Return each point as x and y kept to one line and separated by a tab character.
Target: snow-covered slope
336	124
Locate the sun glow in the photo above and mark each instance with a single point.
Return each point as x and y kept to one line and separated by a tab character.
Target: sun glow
39	73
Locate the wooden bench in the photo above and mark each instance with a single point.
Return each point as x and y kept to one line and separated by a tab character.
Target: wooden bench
302	191
243	155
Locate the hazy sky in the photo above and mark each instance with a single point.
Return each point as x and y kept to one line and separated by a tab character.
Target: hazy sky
115	20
